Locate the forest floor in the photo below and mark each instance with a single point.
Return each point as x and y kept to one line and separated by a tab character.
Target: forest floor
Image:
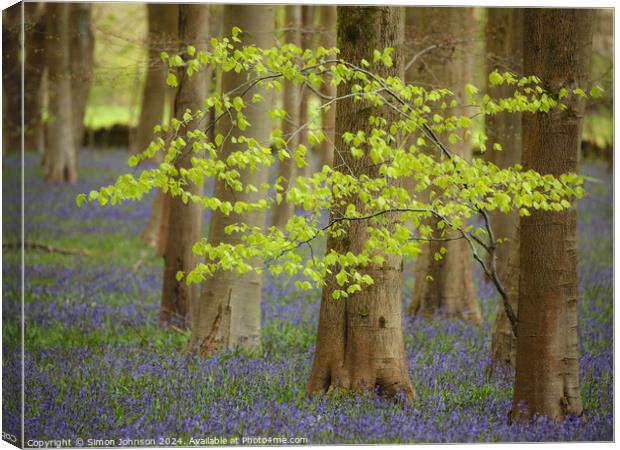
98	365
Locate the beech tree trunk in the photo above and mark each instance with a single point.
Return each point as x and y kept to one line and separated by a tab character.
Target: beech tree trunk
82	49
504	46
328	117
34	66
60	157
163	27
307	41
287	168
442	42
184	219
228	312
162	22
359	340
11	79
557	44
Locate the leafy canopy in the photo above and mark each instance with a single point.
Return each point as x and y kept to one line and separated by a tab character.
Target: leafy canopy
442	186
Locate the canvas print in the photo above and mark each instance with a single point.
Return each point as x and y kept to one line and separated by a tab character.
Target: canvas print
306	224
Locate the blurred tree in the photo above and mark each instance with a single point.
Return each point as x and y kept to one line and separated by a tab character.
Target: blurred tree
359	342
184	218
162	36
162	32
60	156
34	67
11	78
82	49
308	34
556	48
504	48
328	115
290	124
442	57
228	312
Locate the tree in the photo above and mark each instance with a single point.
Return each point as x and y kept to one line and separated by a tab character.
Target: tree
307	41
228	312
359	342
442	58
290	124
374	222
82	48
162	32
184	218
34	66
504	45
60	157
328	116
556	46
11	78
162	26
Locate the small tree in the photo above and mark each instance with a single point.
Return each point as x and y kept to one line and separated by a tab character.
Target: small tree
391	218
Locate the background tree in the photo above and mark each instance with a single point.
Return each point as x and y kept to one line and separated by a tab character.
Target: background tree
60	157
441	57
504	48
82	49
34	67
162	32
228	312
308	34
556	47
156	95
359	343
185	218
290	124
328	115
11	77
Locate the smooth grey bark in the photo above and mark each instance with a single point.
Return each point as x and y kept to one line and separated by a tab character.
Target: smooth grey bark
185	219
291	97
557	45
442	58
60	157
504	48
11	79
359	344
82	53
228	312
34	68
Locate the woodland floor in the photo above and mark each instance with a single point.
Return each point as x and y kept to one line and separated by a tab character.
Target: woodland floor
98	366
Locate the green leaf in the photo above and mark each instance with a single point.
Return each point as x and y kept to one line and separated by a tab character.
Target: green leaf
596	92
171	80
495	78
80	199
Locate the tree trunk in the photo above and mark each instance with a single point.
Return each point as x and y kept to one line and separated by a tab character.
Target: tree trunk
359	340
163	22
82	48
307	41
290	124
557	44
184	219
34	66
442	43
504	41
163	25
11	79
328	118
60	157
228	312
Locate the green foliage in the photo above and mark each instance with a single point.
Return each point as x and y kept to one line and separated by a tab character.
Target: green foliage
410	147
